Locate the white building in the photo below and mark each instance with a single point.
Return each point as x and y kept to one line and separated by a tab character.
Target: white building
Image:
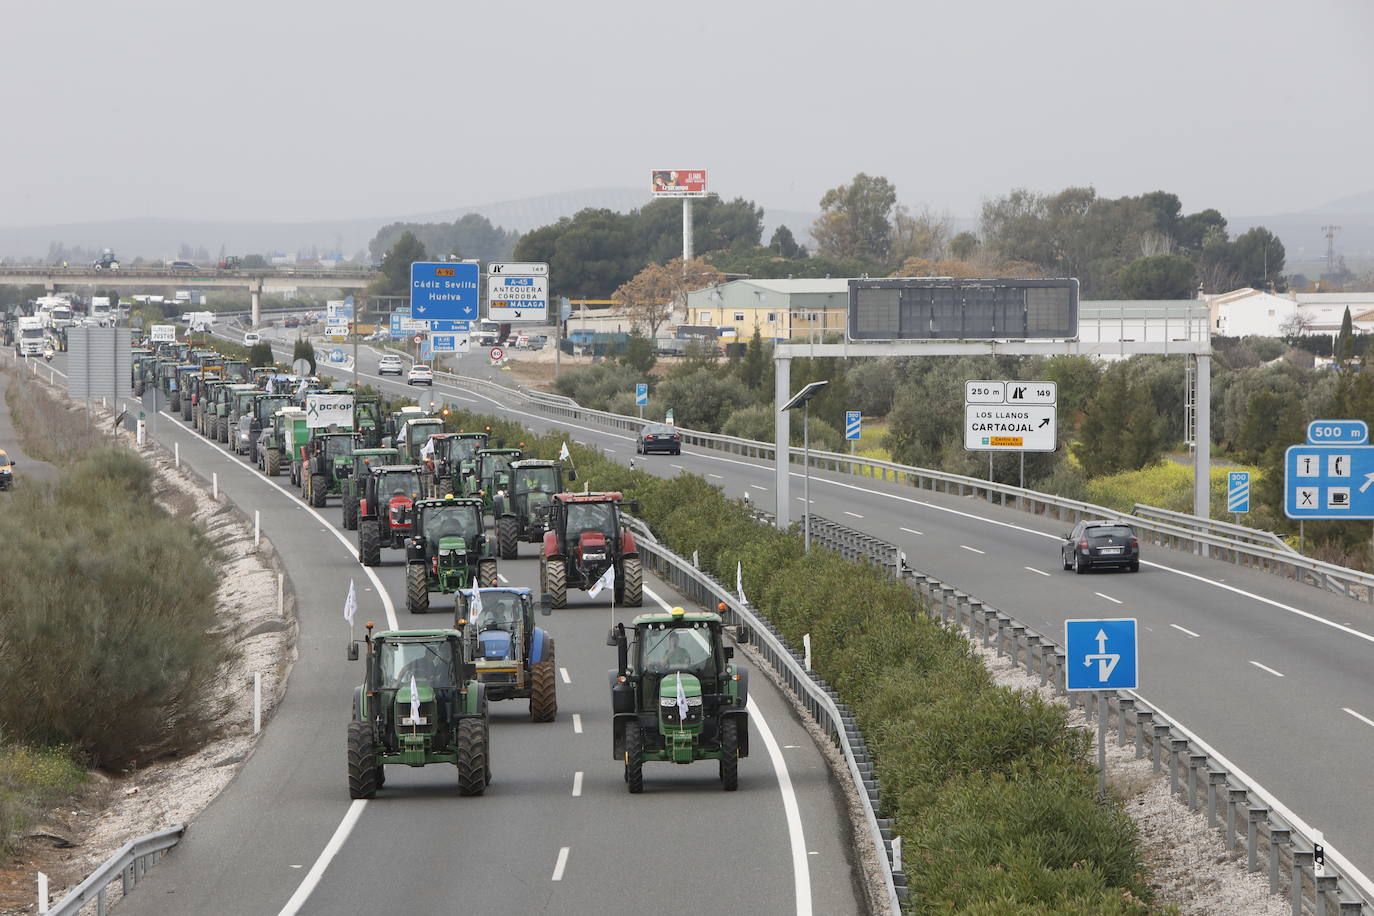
1255	313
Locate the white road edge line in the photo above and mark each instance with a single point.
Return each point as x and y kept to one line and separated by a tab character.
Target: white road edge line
855	514
1186	630
577	784
561	864
757	487
1109	598
912	531
577	723
974	549
801	865
1265	668
564	673
1358	716
1038	572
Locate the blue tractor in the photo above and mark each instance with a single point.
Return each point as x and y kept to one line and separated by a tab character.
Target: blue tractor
513	657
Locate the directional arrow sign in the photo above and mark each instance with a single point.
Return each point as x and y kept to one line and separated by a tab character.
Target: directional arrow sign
1009	427
1328	481
1101	654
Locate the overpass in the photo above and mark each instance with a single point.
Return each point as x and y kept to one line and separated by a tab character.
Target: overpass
50	278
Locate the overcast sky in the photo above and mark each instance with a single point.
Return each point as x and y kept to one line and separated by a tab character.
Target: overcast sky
293	110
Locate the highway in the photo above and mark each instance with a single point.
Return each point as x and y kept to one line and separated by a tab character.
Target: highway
1274	675
555	832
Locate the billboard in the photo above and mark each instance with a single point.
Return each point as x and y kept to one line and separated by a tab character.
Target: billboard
163	333
323	410
679	182
942	308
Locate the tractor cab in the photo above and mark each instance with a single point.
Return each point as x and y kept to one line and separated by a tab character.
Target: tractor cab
492	472
521	512
676	696
351	485
413	435
419	704
447	550
237	370
385	509
368	419
513	657
455	457
328	459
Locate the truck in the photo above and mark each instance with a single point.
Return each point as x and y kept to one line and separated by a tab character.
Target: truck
200	321
102	313
30	340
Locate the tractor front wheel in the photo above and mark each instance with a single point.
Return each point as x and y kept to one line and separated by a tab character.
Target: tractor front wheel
222	429
472	756
507	546
272	462
634	759
556	582
350	513
543	692
729	754
362	761
369	544
319	490
417	589
631	583
486	573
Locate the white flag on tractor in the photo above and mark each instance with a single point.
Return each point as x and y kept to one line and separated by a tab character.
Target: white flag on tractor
681	700
607	580
563	454
428	450
350	603
414	702
475	605
739	582
271	386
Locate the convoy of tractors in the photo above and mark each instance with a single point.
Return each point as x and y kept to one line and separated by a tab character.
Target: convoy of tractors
419	495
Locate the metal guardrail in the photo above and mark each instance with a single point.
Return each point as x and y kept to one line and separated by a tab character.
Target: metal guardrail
130	863
1212	526
821	701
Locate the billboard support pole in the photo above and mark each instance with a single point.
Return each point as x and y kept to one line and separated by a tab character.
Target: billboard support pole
686	229
1202	420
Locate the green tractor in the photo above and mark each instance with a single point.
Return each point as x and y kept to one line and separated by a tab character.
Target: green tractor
517	508
446	551
676	696
140	358
363	459
514	658
412	436
281	441
239	407
369	420
252	424
385	513
455	458
207	396
419	703
328	460
230	400
185	381
492	473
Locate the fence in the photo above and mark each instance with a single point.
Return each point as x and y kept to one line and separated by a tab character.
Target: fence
130	863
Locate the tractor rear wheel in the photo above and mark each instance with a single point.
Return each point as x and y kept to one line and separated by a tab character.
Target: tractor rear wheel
318	490
362	760
223	429
507	546
729	754
634	758
472	756
543	692
369	544
272	462
350	513
417	589
631	584
556	582
486	573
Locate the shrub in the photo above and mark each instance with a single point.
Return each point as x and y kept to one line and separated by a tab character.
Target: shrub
31	781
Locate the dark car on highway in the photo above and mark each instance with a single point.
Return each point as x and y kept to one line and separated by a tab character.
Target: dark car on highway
1100	543
659	437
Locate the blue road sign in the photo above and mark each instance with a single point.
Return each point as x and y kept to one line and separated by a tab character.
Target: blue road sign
444	290
1343	432
444	343
853	419
450	327
1238	491
1328	481
641	394
396	333
1101	654
336	356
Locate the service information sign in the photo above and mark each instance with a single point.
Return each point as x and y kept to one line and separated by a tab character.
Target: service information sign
1010	416
322	410
679	182
162	333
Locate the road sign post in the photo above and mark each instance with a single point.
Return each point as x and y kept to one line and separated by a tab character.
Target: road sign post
1101	655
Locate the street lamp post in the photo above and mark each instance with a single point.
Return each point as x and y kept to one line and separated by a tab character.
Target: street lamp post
802	399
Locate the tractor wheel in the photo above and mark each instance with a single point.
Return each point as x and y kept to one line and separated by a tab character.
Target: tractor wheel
556	582
272	463
472	757
417	589
543	692
319	490
729	753
350	513
362	761
507	546
634	759
631	584
369	544
223	429
486	573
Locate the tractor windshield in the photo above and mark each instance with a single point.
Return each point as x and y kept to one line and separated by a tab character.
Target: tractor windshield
418	433
536	480
451	521
269	406
591	517
495	464
461	450
500	611
405	482
429	662
667	649
337	446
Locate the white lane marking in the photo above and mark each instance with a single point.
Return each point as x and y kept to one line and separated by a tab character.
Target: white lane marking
609	451
912	531
577	784
331	849
503	578
1108	597
561	864
974	549
855	514
564	673
1038	572
716	476
1186	630
757	487
577	724
1358	716
801	868
1265	668
678	466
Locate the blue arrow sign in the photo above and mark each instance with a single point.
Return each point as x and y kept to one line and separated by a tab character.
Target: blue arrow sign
1238	491
443	290
641	394
1101	654
1328	481
853	419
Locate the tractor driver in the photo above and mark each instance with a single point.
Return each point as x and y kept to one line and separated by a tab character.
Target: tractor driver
430	668
590	517
503	613
671	654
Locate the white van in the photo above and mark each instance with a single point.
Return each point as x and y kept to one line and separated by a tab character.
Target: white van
251	338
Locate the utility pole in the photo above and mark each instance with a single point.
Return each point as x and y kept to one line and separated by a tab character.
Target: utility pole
1330	233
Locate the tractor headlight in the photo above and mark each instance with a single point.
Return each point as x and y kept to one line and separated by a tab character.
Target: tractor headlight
446	554
671	700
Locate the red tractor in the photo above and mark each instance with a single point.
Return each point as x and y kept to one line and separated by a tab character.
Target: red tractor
386	509
586	537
